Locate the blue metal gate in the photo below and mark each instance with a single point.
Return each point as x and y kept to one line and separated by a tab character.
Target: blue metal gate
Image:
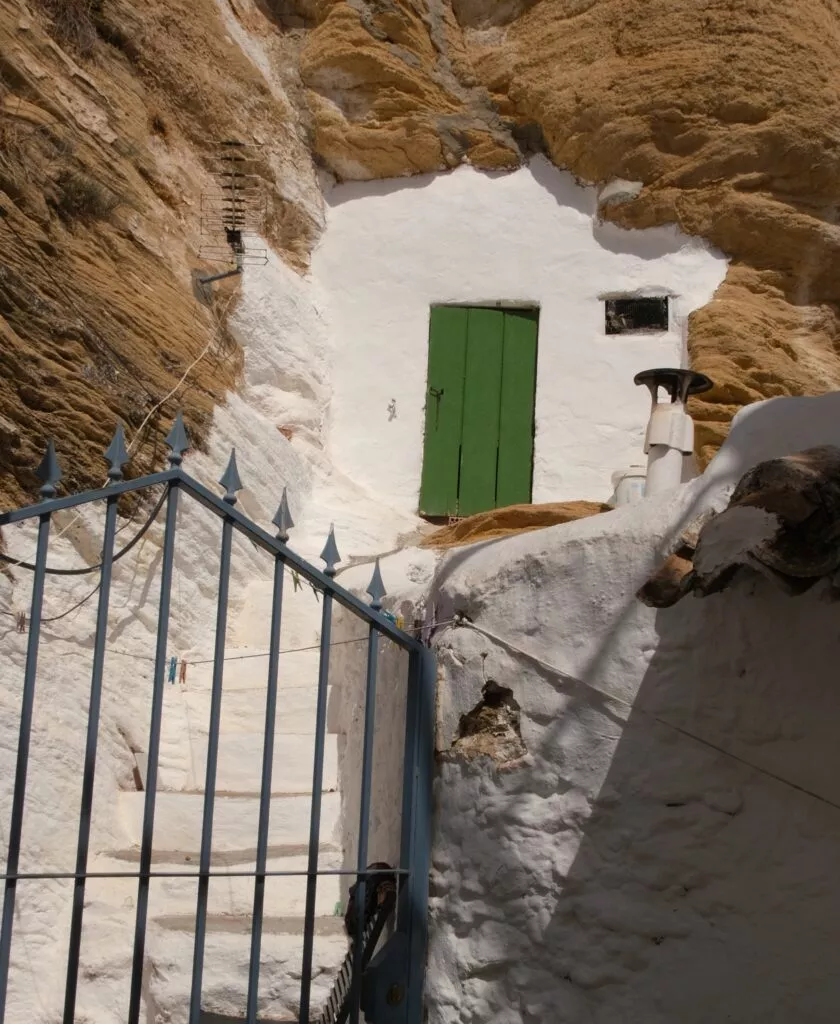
380	981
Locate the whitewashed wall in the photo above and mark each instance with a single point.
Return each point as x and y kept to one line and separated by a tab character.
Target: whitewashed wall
623	870
393	248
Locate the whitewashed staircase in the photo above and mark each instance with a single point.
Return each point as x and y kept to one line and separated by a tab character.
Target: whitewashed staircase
179	808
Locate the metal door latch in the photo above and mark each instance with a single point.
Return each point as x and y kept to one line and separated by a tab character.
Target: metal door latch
437	394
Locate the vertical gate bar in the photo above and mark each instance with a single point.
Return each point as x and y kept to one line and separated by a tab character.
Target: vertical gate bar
265	789
408	809
153	753
90	760
415	847
27	703
364	821
315	818
210	776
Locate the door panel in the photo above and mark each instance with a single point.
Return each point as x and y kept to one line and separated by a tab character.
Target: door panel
444	410
516	422
479	435
482	395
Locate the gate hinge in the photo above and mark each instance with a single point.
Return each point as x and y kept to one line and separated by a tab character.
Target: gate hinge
384	983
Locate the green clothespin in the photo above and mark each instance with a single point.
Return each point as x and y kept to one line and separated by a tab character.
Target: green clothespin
172	665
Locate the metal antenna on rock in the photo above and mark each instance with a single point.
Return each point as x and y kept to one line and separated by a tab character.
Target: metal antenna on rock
232	211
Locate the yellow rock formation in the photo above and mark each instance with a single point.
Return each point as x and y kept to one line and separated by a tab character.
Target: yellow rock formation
108	118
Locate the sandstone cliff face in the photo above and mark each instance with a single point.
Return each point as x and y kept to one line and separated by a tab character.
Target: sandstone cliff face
724	111
393	91
109	115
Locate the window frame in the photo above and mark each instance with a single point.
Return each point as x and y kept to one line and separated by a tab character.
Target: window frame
661	326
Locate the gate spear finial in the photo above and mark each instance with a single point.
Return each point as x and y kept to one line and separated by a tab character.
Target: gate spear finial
330	555
283	519
178	440
376	588
116	455
48	472
230	480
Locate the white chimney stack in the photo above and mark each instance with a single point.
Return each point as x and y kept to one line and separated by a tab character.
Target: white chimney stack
670	431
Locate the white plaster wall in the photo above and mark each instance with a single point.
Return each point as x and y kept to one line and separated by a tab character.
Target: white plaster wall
267	461
625	871
393	248
280	323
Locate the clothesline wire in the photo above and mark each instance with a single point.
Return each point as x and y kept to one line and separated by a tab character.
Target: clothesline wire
461	621
313	647
290	650
236	657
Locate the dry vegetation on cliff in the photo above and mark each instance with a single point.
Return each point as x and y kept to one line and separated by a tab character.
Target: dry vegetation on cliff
109	112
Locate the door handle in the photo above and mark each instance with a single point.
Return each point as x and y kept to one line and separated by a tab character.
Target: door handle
437	394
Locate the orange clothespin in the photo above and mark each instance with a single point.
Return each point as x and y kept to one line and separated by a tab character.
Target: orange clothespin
182	675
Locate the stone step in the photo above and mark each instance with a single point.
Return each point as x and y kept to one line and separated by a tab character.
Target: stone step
232	893
244	710
232	896
178	818
239	768
240	924
169	957
226	964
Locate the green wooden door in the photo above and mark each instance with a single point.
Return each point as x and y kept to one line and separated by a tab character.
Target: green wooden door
479	438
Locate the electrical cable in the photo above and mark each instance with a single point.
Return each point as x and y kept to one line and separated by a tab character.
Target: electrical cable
93	568
78	572
78	604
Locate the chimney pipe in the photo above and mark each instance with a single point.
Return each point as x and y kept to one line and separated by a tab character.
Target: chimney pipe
670	430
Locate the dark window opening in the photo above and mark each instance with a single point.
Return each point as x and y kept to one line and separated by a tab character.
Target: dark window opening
634	316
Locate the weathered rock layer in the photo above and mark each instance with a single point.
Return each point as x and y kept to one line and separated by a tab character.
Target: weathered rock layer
110	117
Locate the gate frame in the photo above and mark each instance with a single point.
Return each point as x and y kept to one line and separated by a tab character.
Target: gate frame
404	998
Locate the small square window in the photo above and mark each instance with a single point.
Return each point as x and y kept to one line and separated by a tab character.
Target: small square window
636	316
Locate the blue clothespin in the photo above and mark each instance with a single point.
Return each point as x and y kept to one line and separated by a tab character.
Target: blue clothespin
172	664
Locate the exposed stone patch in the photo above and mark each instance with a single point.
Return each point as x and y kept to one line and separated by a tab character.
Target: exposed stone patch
492	727
618	191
